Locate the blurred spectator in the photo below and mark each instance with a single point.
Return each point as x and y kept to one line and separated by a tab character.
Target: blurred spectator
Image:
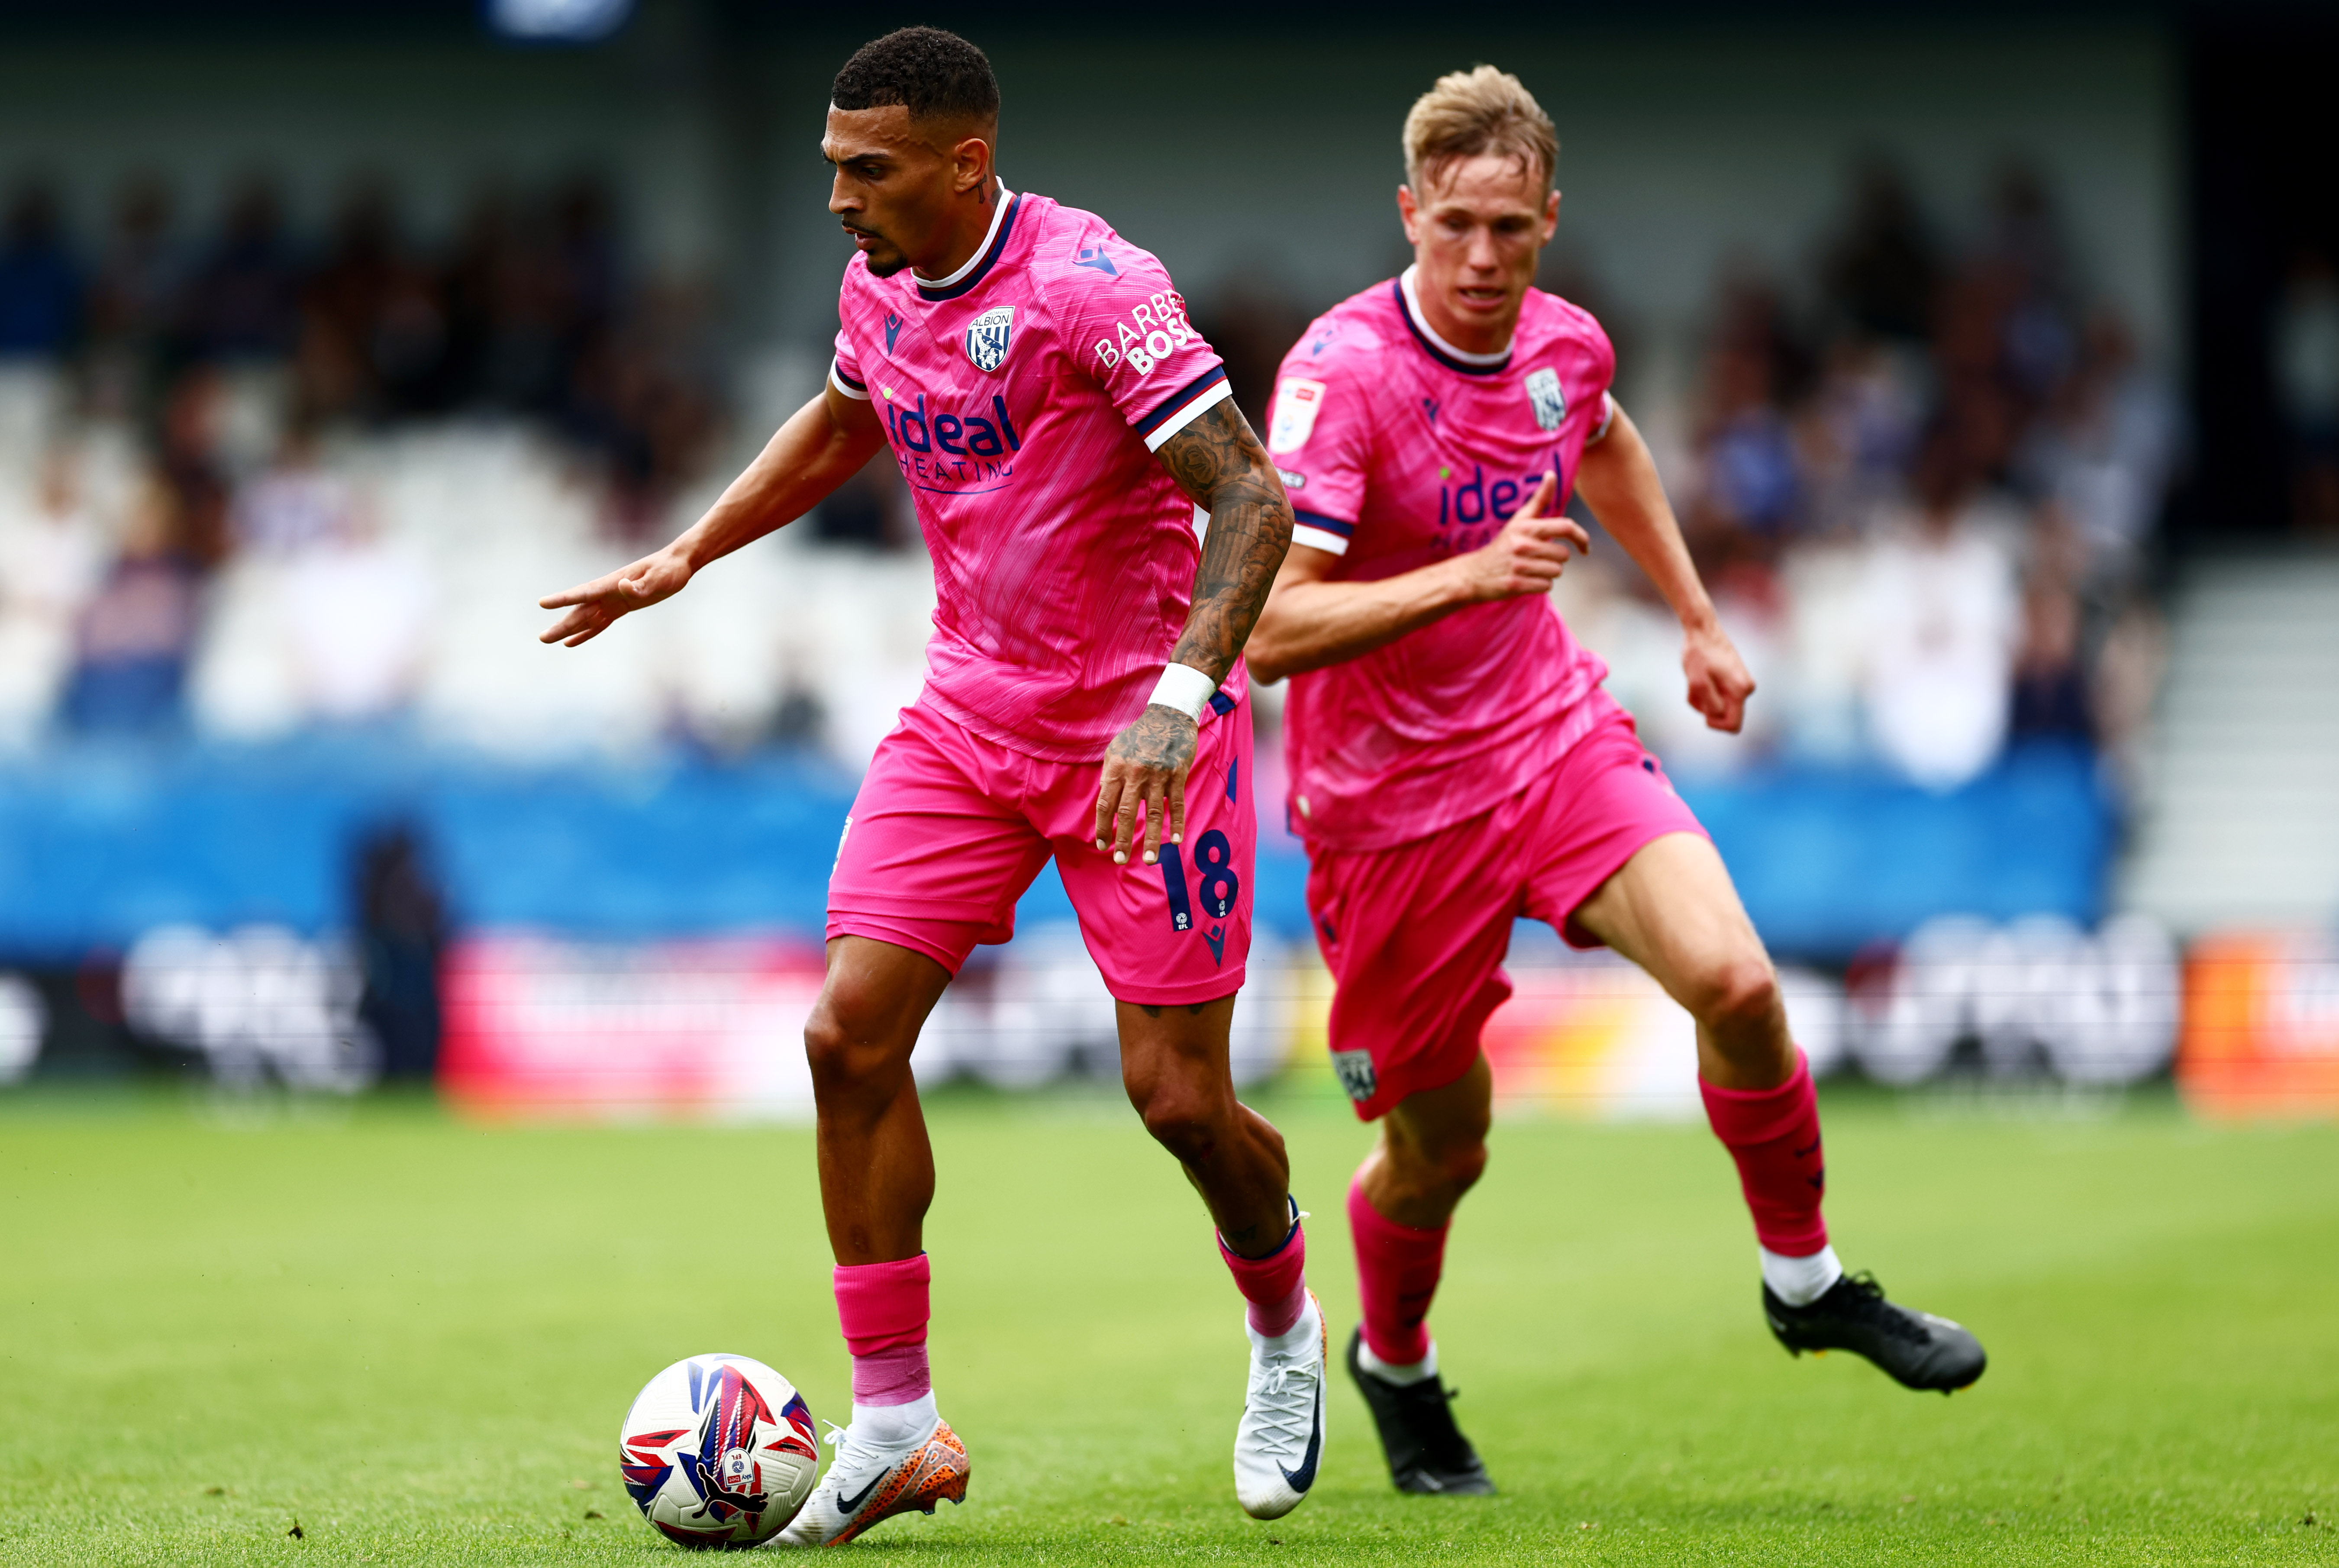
296	503
50	558
41	286
135	299
2102	452
402	930
1943	622
358	608
190	466
136	631
343	304
2050	697
1854	439
1882	271
243	301
1748	491
2024	248
2305	352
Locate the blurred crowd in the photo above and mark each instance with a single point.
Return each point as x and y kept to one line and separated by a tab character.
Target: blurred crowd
1924	481
264	483
1921	469
173	394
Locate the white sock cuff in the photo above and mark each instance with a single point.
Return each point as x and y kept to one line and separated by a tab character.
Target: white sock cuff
1799	1281
1421	1371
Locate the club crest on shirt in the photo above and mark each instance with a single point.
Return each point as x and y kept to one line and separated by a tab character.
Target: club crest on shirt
1549	403
1296	404
987	339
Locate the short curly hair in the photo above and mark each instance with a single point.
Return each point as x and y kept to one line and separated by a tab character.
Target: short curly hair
934	74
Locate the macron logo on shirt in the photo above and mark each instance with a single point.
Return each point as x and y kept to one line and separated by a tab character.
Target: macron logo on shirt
1094	257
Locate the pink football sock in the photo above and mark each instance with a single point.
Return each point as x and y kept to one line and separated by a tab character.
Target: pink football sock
1773	1134
1274	1285
882	1310
1398	1269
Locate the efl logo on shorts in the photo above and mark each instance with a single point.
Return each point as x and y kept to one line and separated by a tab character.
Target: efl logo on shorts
1550	402
1296	404
987	339
1355	1071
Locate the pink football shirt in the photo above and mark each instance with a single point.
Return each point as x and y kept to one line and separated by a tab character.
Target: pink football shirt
1023	397
1399	450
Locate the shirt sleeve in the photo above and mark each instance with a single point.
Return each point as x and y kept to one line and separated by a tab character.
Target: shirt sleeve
1607	419
1319	434
1602	376
844	369
1130	332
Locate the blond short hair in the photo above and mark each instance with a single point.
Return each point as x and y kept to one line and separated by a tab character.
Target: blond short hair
1468	113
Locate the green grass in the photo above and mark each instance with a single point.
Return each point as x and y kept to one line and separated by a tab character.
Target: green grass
416	1338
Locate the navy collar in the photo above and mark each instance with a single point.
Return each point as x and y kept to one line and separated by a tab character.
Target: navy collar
1437	347
978	266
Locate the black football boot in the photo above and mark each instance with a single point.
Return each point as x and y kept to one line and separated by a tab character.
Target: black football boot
1427	1451
1917	1350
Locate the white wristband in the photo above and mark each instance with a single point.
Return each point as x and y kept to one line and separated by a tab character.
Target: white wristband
1185	688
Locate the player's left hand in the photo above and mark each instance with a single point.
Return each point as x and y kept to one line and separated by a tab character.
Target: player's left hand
1719	685
1146	762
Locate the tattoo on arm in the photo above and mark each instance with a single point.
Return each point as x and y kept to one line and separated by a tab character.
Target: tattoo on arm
1218	462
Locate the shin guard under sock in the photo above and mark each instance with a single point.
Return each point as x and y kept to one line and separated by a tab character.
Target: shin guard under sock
1773	1134
1275	1285
883	1309
1398	1269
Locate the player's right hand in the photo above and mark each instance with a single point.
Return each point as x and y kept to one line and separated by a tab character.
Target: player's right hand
594	607
1529	553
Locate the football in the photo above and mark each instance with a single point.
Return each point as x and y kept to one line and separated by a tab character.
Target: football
719	1451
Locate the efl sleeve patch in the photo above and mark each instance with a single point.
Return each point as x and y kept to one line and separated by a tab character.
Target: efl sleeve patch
1296	404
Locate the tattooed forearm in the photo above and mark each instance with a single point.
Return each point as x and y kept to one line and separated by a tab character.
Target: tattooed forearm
1218	462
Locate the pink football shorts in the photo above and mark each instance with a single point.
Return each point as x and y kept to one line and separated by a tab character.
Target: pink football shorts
950	828
1414	935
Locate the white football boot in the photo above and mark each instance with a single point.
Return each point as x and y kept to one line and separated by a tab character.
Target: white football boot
868	1482
1280	1439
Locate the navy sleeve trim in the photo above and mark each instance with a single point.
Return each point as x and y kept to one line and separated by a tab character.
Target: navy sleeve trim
1177	400
1329	524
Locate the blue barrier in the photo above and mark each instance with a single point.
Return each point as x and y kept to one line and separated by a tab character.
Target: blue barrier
99	845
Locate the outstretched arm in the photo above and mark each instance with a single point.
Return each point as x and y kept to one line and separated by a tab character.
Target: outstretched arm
1618	480
1218	462
824	444
1309	623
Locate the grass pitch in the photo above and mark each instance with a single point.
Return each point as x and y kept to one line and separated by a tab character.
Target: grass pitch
415	1338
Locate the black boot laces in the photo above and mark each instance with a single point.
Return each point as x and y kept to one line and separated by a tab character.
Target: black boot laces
1429	1414
1864	1300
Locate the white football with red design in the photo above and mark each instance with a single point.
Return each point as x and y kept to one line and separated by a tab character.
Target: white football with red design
719	1451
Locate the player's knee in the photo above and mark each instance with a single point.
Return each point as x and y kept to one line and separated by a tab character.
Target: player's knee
1460	1166
1180	1123
843	1050
1443	1167
1739	996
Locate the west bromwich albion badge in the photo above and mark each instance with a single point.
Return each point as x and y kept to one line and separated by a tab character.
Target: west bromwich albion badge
987	339
1550	402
